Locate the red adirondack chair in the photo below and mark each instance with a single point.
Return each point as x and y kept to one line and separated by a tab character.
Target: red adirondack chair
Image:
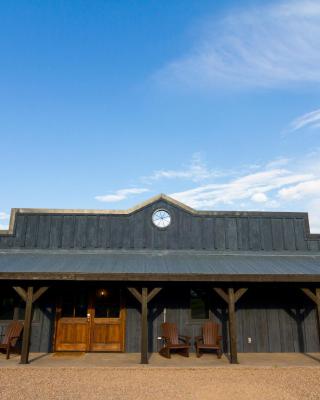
210	339
174	341
11	336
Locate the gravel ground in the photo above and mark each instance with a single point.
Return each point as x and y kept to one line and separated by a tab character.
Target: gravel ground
294	383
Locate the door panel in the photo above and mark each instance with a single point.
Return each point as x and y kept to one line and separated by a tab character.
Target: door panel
106	334
90	321
107	321
72	334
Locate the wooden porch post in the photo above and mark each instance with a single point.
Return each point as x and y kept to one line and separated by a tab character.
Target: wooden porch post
315	297
29	297
232	327
27	327
144	298
144	326
231	298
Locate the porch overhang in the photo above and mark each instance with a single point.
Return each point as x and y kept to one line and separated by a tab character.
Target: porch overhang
159	265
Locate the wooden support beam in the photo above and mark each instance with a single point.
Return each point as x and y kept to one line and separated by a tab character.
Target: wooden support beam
318	309
27	327
144	326
135	294
311	295
144	298
21	292
39	293
231	298
239	293
222	294
314	297
153	293
29	297
232	327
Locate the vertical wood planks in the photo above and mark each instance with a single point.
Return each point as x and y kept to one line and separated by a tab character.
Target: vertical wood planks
55	231
277	233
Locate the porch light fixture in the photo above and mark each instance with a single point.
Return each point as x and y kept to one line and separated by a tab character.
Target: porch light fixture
102	292
161	218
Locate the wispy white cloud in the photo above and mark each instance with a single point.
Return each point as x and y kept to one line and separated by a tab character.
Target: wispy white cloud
3	215
266	46
252	187
301	190
309	120
121	194
259	197
196	171
294	188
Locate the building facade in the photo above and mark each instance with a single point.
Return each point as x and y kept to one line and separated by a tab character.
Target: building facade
93	280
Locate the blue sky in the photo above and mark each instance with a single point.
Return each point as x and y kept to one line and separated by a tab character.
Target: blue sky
106	103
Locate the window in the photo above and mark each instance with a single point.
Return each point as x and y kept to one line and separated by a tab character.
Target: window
74	304
199	304
7	308
13	307
161	218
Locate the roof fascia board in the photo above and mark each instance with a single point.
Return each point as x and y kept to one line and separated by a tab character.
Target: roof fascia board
65	276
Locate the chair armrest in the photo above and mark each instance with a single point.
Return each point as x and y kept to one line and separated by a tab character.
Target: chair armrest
13	338
185	338
198	339
166	339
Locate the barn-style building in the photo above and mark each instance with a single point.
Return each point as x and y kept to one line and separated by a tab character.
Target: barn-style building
93	280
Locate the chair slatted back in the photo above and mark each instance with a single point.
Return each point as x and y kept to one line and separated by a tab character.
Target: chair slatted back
210	332
170	331
13	330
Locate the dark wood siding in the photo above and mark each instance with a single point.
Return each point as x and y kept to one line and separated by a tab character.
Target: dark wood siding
236	231
283	322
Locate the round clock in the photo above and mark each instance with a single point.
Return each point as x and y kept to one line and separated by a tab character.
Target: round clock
161	218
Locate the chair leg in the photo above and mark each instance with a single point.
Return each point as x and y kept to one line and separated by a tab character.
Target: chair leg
165	352
219	353
198	352
185	352
168	353
8	352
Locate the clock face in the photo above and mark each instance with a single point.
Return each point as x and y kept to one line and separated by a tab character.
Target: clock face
161	218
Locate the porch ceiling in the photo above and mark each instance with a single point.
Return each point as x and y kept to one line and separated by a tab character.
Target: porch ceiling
180	265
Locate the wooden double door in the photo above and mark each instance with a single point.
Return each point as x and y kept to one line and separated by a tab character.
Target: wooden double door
90	320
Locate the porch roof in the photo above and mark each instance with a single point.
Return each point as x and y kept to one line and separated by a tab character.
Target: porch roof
162	265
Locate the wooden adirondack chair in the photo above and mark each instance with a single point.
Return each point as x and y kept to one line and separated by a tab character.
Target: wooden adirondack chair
173	341
210	339
11	336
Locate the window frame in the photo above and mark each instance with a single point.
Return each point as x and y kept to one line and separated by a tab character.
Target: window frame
206	301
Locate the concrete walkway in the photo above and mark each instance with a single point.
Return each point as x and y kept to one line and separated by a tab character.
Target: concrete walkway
118	360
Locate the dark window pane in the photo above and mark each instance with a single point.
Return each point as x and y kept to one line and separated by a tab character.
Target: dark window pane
74	304
7	308
35	313
81	305
199	304
67	305
107	303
